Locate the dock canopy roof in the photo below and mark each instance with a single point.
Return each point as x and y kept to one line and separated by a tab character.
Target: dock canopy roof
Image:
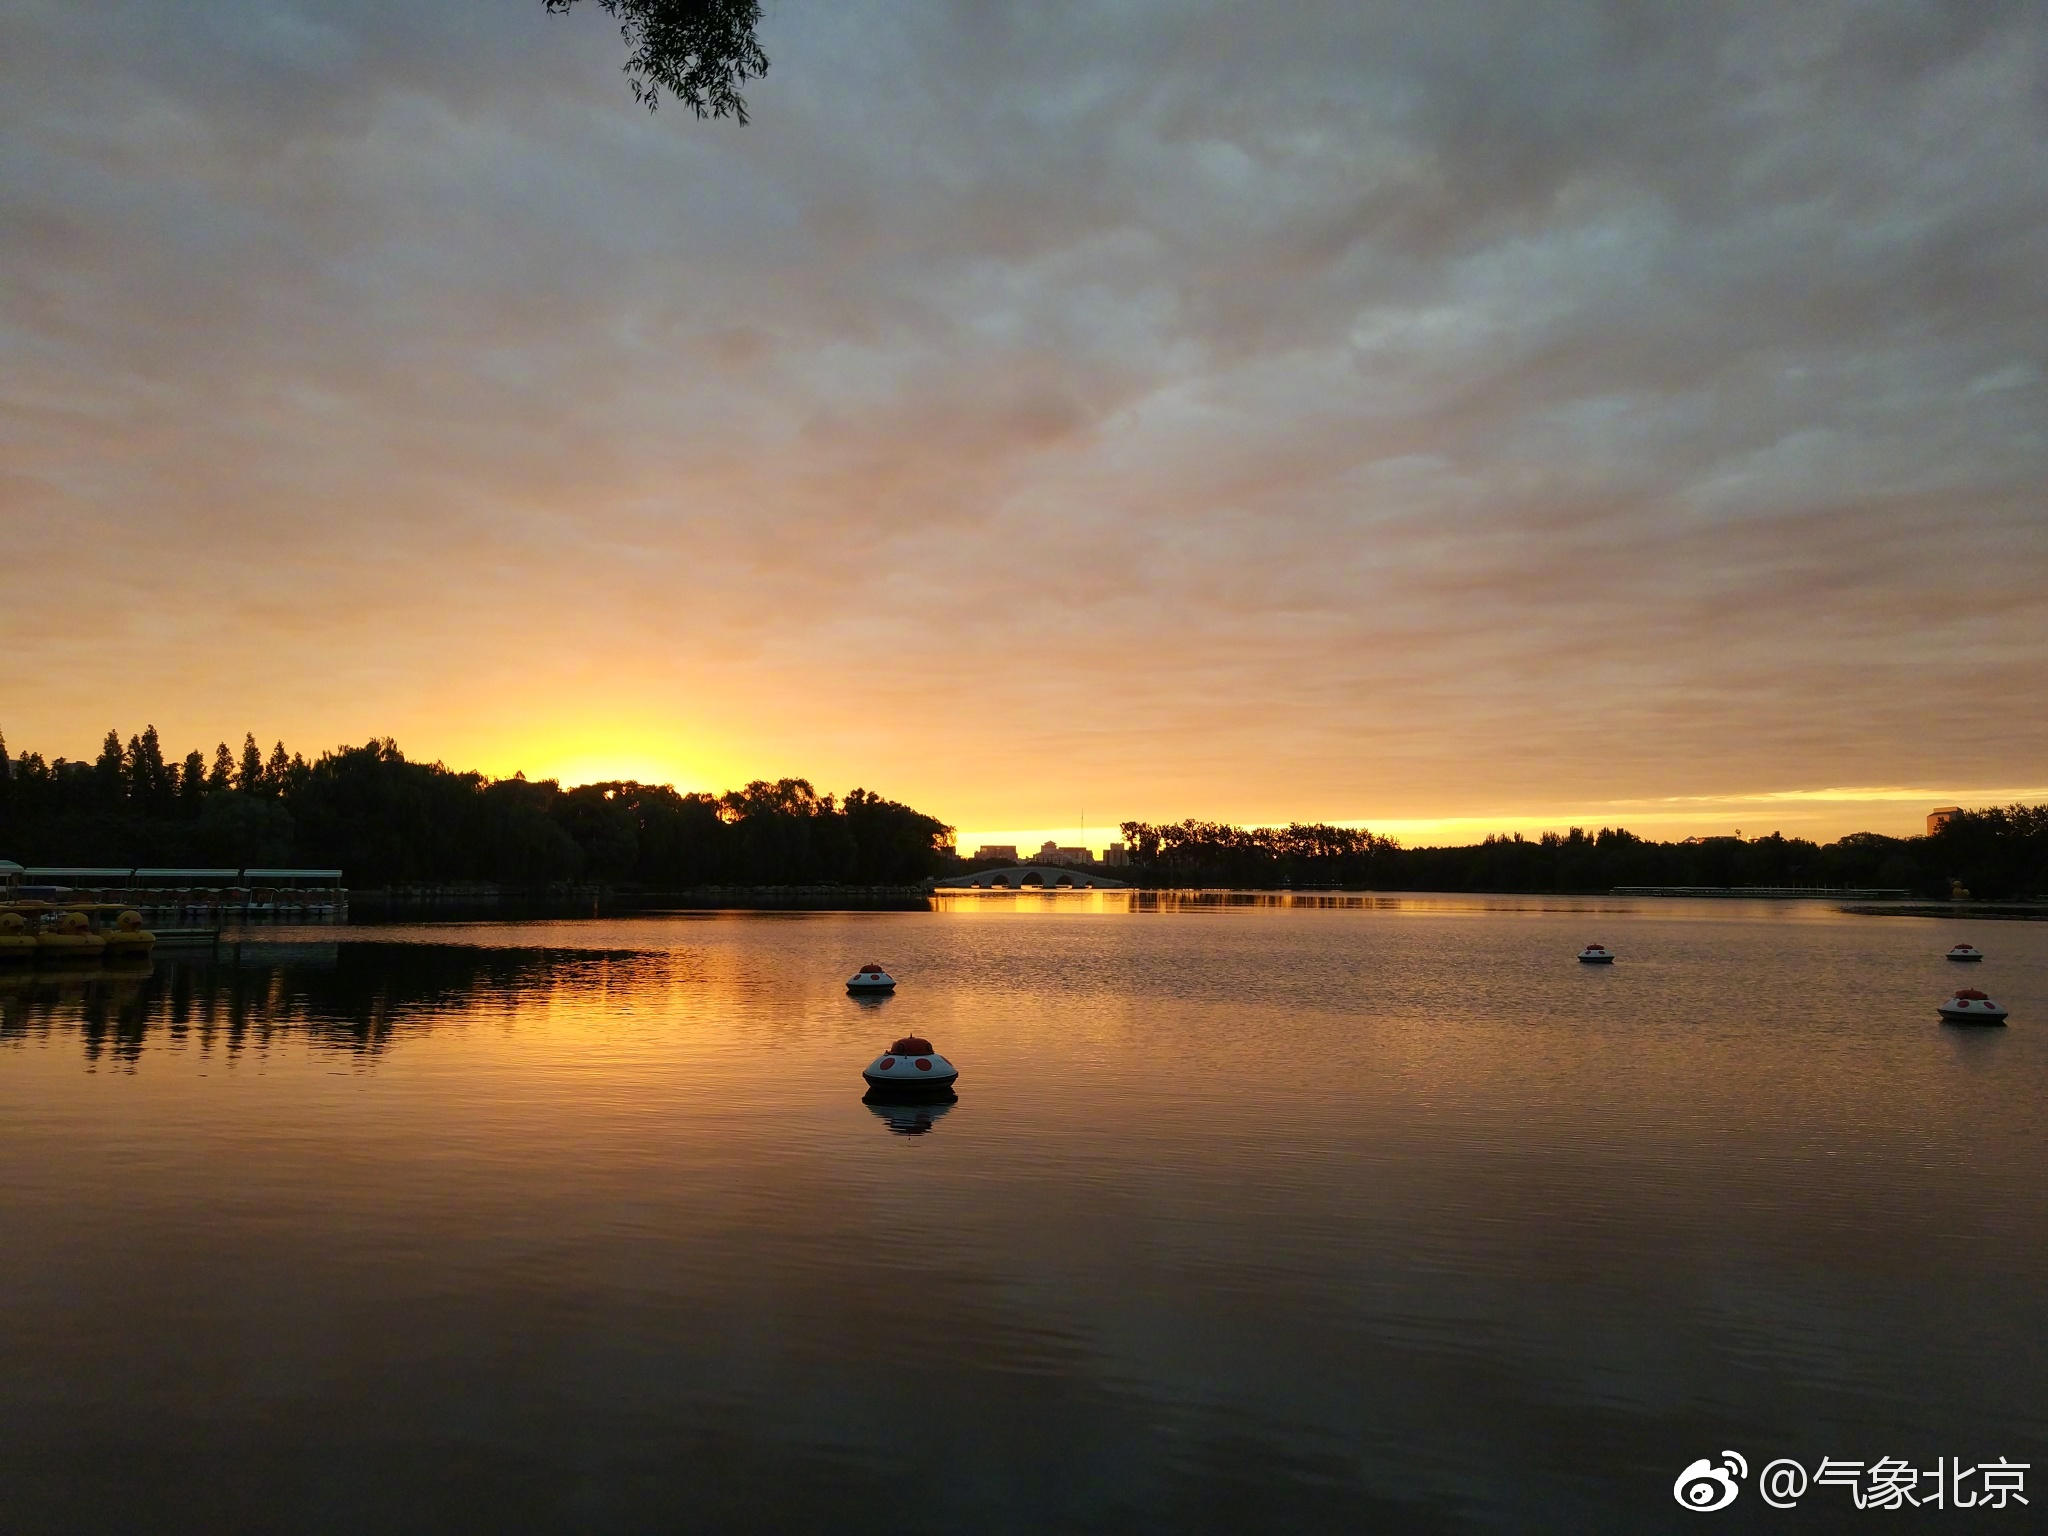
51	872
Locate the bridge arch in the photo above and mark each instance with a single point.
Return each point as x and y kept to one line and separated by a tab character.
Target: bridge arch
1028	877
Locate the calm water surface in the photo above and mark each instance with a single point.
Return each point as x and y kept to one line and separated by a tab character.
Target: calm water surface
1367	1216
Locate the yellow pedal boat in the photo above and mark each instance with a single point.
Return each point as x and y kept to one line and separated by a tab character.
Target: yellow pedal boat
85	930
128	937
69	936
17	942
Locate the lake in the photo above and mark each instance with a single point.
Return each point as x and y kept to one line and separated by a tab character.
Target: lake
1323	1214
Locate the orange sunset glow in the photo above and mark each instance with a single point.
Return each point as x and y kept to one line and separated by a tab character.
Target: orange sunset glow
1185	435
952	766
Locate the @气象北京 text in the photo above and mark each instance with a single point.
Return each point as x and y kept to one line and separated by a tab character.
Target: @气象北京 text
1890	1482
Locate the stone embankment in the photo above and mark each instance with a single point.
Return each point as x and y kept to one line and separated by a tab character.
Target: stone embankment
1990	911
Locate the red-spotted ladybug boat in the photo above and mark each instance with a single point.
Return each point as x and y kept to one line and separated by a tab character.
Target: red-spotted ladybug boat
1970	1006
911	1068
871	978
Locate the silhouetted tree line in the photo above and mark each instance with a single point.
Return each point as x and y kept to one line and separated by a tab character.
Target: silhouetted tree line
1212	853
386	820
1998	854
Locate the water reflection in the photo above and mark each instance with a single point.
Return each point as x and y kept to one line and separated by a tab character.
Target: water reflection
108	1002
1257	1221
348	997
1197	899
908	1117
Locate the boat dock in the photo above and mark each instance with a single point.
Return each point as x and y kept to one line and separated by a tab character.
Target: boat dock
188	901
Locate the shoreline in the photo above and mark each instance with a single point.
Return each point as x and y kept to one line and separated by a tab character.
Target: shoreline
1989	911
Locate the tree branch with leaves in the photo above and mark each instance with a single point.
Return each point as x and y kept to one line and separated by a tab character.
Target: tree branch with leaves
698	51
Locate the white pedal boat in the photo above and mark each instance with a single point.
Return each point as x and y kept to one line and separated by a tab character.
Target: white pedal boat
871	978
911	1066
1969	1006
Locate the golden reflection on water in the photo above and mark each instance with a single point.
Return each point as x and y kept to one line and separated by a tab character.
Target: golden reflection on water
1397	1005
1306	1185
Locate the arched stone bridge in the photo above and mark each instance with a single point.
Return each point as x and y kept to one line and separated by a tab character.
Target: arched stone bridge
1027	877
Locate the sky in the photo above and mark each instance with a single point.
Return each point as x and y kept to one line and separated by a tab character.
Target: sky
1446	416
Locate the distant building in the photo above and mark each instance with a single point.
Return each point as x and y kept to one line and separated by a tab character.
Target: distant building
1941	816
1050	853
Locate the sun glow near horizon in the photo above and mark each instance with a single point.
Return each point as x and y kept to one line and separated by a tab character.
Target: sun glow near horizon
573	753
1820	815
586	747
606	768
1153	480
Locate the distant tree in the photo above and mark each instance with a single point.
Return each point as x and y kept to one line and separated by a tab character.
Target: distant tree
192	783
250	779
516	841
2000	852
109	772
601	819
699	51
888	843
242	830
150	786
277	773
222	775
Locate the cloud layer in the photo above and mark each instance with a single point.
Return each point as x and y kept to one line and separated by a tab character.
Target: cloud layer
1401	411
